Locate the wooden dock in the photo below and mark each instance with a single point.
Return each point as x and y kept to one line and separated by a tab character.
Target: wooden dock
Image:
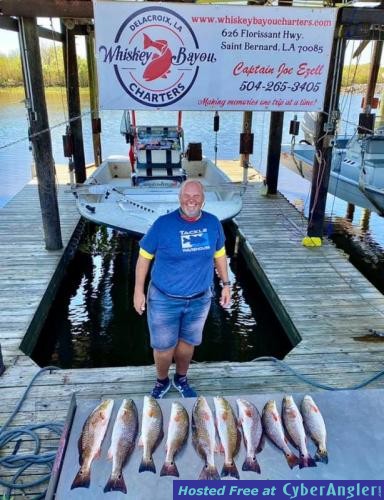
324	302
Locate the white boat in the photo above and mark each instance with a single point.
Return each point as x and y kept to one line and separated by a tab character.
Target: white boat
130	192
357	168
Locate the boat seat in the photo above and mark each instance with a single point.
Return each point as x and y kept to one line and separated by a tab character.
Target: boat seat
158	148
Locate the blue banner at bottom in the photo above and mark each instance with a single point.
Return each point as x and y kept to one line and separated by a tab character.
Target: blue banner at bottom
279	489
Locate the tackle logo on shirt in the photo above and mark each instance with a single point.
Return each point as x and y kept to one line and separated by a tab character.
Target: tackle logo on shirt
194	241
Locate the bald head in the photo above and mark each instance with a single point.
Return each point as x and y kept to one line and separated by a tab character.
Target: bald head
191	197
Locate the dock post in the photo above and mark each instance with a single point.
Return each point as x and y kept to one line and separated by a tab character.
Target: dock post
93	95
326	126
274	150
73	96
39	132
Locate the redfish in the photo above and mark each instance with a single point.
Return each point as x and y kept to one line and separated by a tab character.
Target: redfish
250	420
160	63
178	428
229	435
90	441
123	441
151	432
204	437
315	427
274	430
293	423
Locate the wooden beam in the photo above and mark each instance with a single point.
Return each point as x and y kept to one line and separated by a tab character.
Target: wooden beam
47	8
10	24
51	8
40	134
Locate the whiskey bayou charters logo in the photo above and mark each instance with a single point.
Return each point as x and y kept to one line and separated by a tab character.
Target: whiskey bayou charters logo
155	56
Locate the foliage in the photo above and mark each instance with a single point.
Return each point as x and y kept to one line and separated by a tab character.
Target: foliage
52	62
53	70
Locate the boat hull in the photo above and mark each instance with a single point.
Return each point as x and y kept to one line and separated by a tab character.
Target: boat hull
111	197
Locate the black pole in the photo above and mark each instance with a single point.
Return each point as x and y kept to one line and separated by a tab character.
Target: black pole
275	139
274	150
326	125
73	96
40	135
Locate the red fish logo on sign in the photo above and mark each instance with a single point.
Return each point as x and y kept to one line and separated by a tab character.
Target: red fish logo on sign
155	56
160	63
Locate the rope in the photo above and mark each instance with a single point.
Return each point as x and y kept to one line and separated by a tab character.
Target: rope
286	367
22	461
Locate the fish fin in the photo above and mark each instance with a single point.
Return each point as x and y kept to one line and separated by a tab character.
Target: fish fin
116	483
251	463
164	76
147	465
307	462
292	460
321	456
209	472
230	469
169	469
82	479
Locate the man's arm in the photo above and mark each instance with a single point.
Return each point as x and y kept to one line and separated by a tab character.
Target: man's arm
142	268
222	271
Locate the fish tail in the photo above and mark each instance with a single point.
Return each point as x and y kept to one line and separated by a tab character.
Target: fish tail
116	483
321	455
82	479
251	463
147	41
230	469
169	469
209	472
307	461
147	464
292	460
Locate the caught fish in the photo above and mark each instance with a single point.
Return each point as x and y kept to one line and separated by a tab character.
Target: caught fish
123	441
177	437
250	420
90	440
151	432
315	426
204	437
160	63
293	423
229	435
274	430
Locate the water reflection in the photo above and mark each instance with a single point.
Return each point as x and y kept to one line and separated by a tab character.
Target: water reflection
92	322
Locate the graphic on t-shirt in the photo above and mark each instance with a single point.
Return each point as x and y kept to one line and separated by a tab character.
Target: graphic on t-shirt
194	241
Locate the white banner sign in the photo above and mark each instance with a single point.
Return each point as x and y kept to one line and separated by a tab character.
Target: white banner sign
209	57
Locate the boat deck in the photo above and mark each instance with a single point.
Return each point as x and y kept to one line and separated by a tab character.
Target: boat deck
322	300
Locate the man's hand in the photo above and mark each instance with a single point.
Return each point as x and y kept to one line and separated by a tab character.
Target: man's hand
225	298
139	302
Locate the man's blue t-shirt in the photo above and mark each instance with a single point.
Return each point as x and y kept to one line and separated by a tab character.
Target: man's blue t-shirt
184	252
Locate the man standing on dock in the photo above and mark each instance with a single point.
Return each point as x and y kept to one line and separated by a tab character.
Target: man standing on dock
186	245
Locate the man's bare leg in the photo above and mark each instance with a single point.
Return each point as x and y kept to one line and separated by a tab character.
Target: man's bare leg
163	360
183	355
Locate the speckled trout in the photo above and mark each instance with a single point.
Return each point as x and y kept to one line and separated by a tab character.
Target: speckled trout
229	434
151	432
293	423
204	437
274	430
315	427
250	420
178	428
123	441
90	440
